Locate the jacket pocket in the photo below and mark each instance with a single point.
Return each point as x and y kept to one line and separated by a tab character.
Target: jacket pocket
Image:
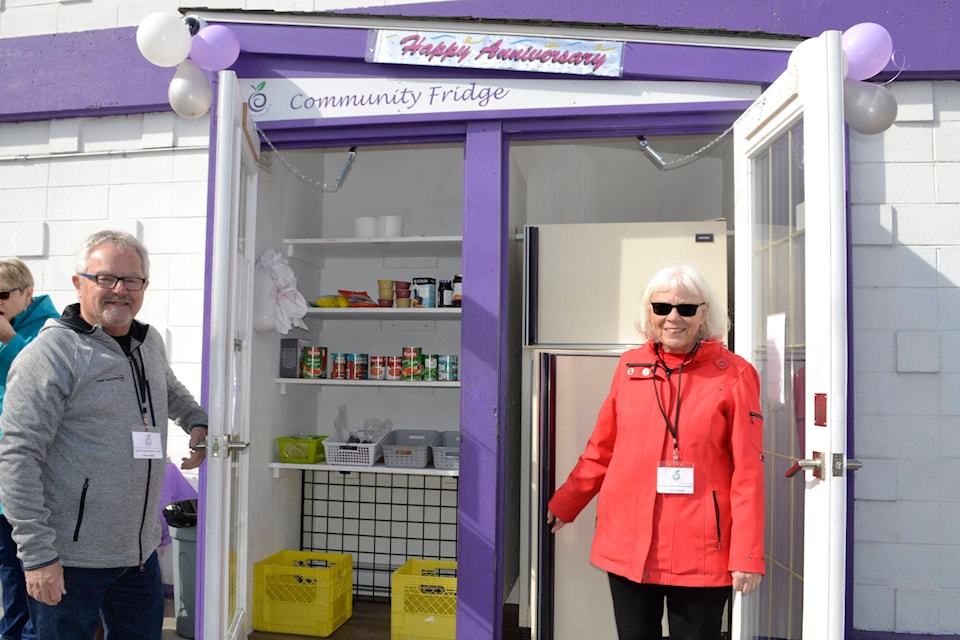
716	511
83	500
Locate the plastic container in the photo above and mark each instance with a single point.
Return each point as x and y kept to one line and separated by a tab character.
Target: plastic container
423	600
301	449
409	448
302	592
181	517
363	454
184	546
446	452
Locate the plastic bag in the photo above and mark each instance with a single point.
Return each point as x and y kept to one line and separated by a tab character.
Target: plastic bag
358	298
373	428
289	305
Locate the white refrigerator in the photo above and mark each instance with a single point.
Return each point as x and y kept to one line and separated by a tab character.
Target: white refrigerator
583	283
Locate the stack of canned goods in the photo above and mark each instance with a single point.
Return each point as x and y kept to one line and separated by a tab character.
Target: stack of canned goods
412	365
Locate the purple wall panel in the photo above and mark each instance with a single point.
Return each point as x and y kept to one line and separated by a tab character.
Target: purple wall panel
89	74
480	556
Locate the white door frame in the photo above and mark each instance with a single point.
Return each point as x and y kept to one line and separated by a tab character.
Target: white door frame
225	544
809	92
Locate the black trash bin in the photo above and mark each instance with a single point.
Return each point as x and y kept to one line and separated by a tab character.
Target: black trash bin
181	517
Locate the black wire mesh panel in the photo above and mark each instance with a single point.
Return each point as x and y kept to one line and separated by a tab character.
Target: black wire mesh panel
382	519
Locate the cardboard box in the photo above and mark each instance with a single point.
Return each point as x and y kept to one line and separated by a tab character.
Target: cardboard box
291	361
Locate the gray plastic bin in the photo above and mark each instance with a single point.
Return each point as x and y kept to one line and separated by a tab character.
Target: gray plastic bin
184	578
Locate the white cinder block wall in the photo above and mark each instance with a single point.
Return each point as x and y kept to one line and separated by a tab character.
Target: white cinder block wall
905	190
62	180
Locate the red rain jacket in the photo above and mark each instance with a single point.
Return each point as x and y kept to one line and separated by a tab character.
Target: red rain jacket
691	540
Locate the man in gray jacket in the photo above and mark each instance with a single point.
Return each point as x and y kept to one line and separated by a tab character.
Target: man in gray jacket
83	450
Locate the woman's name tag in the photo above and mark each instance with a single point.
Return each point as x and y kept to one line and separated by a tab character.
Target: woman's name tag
675	477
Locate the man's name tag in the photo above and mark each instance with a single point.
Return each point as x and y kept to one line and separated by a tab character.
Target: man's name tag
146	444
675	477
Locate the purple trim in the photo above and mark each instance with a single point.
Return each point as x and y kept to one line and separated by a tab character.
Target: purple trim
889	635
88	74
479	517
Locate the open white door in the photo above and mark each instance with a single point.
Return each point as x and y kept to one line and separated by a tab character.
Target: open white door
225	559
791	309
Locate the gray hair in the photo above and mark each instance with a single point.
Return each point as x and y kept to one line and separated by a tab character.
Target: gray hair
715	323
16	273
119	238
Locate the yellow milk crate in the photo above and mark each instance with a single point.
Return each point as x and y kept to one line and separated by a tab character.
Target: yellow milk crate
423	600
302	592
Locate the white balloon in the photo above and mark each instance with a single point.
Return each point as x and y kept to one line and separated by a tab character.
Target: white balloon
164	38
190	93
868	108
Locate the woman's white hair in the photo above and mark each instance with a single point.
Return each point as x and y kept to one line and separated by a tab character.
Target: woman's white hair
715	323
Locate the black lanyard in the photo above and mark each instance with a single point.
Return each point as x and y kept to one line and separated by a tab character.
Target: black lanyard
142	388
674	428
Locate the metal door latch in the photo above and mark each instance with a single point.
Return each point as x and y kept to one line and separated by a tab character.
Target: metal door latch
815	465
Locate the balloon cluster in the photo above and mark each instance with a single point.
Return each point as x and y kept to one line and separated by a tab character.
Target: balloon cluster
167	39
867	107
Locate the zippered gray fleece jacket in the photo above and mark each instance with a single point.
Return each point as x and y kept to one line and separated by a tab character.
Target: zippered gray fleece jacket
69	482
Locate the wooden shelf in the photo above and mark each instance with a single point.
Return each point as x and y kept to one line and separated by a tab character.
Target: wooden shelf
377	468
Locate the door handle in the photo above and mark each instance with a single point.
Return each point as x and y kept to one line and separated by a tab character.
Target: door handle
214	446
815	465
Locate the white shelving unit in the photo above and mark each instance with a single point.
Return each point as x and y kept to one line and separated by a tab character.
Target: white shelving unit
327	382
376	468
313	250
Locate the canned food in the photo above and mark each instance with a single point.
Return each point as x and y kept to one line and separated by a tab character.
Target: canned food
411	369
430	371
412	352
394	368
357	366
378	368
338	366
314	362
447	368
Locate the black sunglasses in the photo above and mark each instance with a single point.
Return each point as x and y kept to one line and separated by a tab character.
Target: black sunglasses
686	310
5	295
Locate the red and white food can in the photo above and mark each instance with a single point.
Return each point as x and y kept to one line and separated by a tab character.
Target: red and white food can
378	368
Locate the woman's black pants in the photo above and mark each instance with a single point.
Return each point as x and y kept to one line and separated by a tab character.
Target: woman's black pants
694	613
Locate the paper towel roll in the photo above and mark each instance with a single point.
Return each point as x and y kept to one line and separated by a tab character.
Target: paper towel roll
389	226
365	227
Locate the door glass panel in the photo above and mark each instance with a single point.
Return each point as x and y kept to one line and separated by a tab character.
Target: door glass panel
778	254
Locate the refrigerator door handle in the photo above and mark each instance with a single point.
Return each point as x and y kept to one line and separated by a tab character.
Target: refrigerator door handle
531	259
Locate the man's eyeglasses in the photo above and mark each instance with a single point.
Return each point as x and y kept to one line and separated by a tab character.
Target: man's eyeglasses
5	295
686	310
131	283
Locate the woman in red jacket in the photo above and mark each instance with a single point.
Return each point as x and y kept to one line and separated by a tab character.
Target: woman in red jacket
677	458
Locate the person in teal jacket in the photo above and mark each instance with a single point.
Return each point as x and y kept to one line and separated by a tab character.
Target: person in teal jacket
21	317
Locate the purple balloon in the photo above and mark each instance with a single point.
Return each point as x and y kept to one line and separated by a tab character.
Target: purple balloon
868	47
214	48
